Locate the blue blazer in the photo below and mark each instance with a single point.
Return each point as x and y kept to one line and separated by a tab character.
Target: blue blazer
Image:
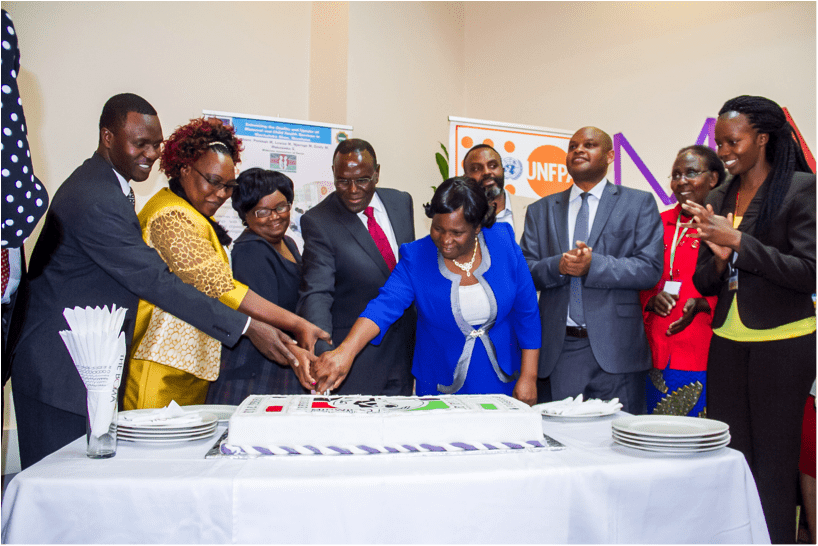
418	278
627	239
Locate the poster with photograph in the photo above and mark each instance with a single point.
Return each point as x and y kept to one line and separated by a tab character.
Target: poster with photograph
302	150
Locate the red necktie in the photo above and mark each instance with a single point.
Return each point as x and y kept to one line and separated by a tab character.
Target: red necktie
380	238
6	270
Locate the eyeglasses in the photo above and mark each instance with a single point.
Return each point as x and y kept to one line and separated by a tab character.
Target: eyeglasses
343	183
690	174
230	184
279	210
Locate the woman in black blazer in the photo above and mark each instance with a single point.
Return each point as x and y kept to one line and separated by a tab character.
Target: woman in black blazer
759	259
268	261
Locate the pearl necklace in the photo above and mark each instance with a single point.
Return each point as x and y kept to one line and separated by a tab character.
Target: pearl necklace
466	267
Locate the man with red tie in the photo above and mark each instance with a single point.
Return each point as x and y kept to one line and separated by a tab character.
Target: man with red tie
351	242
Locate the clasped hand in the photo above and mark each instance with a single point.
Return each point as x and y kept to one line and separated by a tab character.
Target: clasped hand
577	261
330	369
716	231
663	302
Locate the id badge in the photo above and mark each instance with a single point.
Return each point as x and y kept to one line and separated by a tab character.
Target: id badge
673	287
732	280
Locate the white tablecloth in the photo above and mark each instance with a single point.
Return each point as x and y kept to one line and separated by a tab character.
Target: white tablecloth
592	492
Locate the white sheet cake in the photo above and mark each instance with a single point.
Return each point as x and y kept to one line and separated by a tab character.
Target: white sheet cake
270	421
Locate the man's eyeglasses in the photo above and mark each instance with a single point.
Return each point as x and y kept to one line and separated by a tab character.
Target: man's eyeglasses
690	174
230	184
343	183
279	210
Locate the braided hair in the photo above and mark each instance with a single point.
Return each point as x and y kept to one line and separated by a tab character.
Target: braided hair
782	151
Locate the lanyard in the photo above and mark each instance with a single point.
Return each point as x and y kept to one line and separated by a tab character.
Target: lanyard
677	238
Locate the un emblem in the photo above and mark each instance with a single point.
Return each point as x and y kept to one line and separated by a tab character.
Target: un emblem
513	168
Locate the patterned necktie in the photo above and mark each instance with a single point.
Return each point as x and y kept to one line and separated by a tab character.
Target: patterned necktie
6	270
575	310
380	238
132	198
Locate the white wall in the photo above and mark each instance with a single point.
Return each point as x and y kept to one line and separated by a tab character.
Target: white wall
653	71
406	77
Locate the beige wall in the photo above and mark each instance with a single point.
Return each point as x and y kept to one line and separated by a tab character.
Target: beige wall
405	78
653	71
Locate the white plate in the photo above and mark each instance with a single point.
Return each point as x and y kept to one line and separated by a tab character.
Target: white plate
169	430
684	443
669	439
152	440
603	411
207	419
223	412
669	426
677	450
154	434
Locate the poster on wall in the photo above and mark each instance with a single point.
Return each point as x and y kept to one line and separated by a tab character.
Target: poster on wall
533	157
302	150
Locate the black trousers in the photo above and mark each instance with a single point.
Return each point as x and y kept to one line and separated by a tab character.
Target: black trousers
43	429
759	389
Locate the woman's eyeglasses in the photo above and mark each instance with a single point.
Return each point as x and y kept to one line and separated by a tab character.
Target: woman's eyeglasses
687	175
230	184
279	210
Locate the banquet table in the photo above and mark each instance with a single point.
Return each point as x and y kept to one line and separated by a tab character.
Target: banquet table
593	491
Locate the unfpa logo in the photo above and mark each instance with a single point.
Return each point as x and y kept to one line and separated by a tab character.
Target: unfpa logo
547	172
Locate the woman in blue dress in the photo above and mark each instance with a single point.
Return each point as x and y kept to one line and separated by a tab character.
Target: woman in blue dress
478	326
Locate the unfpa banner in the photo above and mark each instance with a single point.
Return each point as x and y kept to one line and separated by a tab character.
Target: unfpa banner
533	157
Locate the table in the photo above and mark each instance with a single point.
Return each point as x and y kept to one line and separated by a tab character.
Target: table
594	491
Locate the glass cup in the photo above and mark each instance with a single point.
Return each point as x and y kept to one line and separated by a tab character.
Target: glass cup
103	447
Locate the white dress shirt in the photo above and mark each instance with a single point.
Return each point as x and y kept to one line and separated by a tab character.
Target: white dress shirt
574	203
506	215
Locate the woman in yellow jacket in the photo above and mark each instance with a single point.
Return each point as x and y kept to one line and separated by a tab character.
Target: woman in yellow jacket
170	359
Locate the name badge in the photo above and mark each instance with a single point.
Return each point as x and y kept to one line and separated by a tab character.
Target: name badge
732	280
673	287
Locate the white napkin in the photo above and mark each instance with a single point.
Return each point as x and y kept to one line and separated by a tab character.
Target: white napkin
96	344
172	414
576	406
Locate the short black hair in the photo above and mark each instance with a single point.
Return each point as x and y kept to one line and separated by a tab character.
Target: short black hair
711	159
256	183
477	147
355	145
116	110
462	191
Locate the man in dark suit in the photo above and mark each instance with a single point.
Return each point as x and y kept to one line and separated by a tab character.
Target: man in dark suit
346	261
91	253
589	291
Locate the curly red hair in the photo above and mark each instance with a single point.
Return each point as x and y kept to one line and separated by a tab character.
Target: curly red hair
190	142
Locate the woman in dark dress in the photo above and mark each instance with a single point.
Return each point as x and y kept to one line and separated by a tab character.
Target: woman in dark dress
267	261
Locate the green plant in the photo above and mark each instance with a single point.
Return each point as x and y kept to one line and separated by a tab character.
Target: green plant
443	162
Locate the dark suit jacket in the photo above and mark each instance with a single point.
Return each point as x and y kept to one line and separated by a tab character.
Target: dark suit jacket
627	243
342	271
776	270
91	253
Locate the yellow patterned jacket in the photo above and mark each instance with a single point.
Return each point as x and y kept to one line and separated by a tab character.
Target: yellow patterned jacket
188	244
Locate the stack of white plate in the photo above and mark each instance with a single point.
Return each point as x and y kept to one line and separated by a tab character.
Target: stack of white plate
670	434
157	432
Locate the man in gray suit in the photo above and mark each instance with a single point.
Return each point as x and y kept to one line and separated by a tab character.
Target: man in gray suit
589	290
351	242
91	253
